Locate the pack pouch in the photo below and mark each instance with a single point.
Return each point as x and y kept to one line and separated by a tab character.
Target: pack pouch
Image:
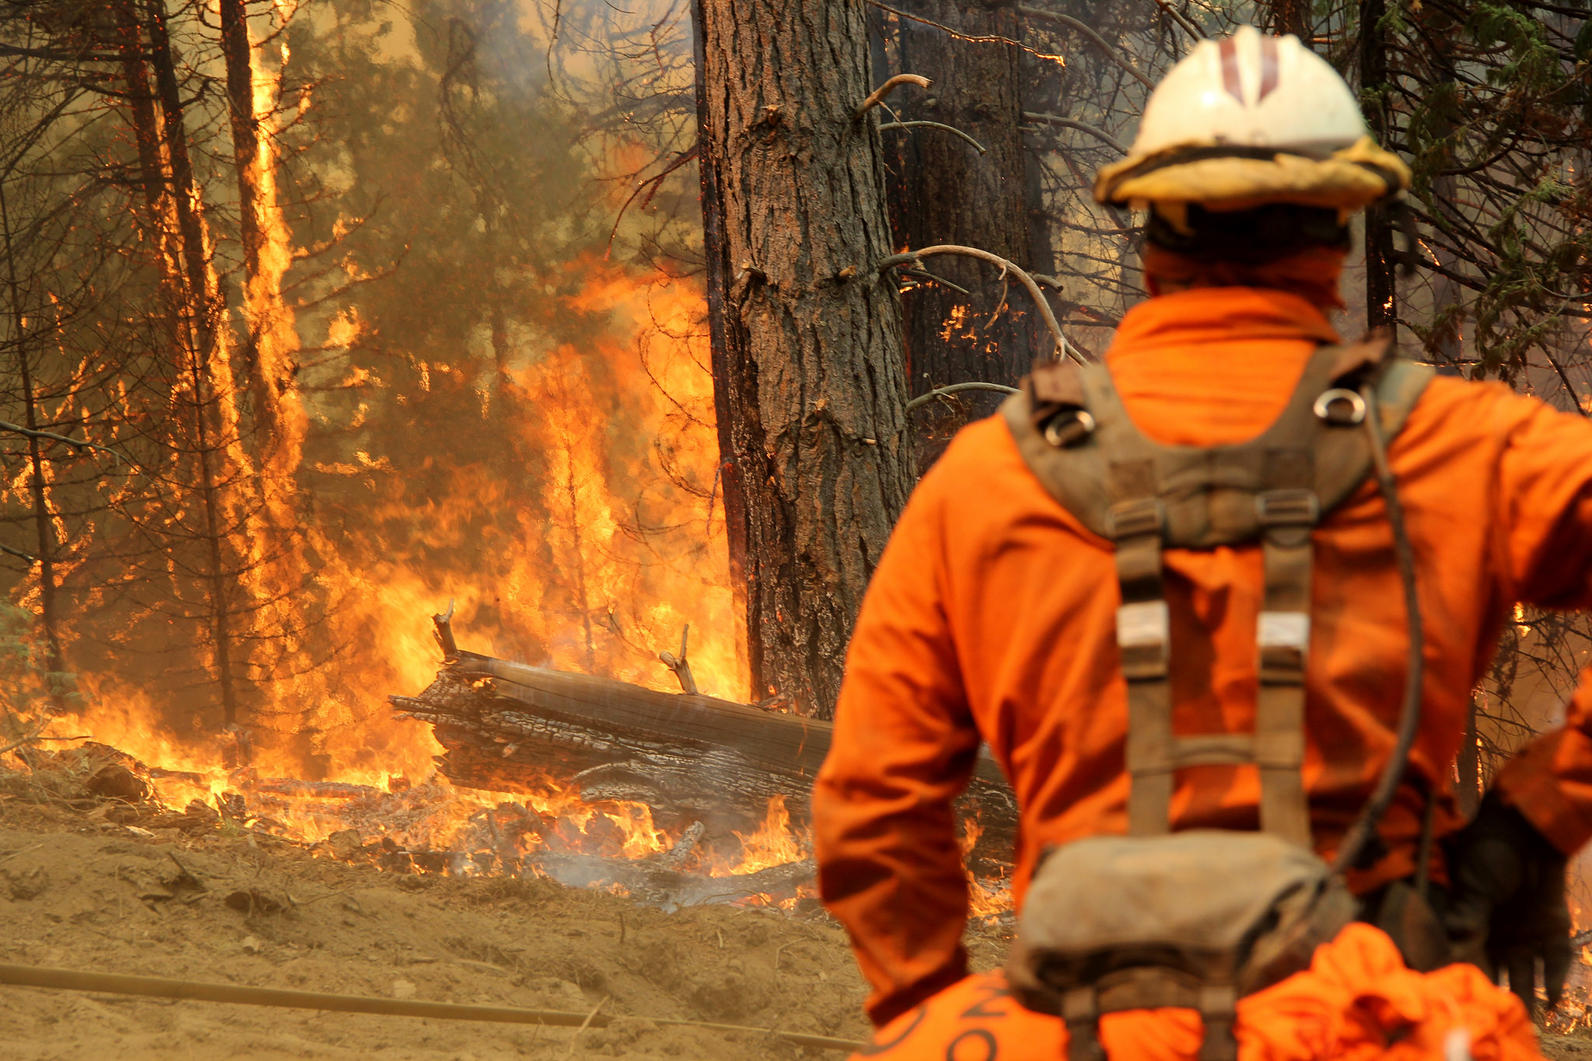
1195	919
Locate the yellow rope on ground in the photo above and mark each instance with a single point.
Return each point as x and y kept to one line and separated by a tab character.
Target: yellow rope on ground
198	991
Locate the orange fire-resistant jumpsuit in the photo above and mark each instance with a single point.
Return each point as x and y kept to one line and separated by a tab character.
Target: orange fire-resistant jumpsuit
992	612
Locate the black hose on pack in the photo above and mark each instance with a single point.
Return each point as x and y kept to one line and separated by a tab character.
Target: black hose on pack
1364	827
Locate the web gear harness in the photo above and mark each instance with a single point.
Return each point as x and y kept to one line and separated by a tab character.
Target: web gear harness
1199	918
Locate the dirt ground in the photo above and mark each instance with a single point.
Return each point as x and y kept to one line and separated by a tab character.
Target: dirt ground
80	891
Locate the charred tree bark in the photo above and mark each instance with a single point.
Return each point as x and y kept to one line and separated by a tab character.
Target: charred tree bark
236	51
1288	16
813	391
1381	283
511	727
43	518
731	494
942	190
200	313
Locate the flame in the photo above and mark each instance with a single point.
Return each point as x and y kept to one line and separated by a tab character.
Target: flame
986	899
613	555
773	843
624	562
956	324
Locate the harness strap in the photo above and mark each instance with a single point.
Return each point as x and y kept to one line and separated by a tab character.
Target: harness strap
1073	431
1082	1006
1080	1009
1287	513
1137	524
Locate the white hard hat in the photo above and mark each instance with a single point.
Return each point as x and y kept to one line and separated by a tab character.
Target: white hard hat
1248	120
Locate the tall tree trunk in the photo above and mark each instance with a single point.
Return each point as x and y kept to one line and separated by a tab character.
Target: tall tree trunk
731	494
238	54
1381	283
267	359
814	389
943	191
201	311
43	517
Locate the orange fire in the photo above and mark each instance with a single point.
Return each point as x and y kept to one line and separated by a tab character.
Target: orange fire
614	599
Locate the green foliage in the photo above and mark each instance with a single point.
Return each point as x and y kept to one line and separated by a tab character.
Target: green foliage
1488	101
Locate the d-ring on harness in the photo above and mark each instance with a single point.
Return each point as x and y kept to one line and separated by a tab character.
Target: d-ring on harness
1248	908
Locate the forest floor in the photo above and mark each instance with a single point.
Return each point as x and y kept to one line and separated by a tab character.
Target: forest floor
80	891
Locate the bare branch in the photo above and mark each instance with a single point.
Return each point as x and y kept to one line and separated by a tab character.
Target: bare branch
951	31
877	96
1046	15
935	278
650	186
935	125
1063	347
77	443
954	388
1083	127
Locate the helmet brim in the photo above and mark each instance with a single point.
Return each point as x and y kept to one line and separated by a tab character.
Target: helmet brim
1221	177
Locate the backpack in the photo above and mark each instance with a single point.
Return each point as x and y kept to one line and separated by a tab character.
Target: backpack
1199	918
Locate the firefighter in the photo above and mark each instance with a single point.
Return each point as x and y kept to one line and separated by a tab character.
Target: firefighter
1016	608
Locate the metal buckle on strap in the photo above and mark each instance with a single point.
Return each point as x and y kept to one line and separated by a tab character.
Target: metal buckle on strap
1340	407
1133	519
1068	427
1284	630
1143	624
1287	508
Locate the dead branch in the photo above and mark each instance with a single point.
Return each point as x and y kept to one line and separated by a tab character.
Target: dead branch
75	443
37	737
935	278
443	632
980	148
877	95
1046	15
954	388
31	738
1188	24
951	31
679	664
1063	347
650	186
1083	127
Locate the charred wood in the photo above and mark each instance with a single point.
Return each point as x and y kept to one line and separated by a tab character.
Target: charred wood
690	758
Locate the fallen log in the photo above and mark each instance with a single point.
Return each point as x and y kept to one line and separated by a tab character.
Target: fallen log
691	758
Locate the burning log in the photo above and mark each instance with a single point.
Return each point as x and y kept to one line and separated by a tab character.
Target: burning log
690	758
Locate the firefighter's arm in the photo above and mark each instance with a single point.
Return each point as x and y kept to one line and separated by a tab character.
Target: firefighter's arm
1545	519
889	866
1507	911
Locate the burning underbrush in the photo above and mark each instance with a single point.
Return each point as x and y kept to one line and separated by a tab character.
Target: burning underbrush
431	827
434	827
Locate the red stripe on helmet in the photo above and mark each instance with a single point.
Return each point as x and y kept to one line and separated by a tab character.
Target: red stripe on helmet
1268	67
1230	78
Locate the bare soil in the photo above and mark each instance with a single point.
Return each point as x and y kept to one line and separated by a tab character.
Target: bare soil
80	891
86	893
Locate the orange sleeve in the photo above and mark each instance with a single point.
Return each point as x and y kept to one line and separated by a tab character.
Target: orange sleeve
1543	513
904	746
